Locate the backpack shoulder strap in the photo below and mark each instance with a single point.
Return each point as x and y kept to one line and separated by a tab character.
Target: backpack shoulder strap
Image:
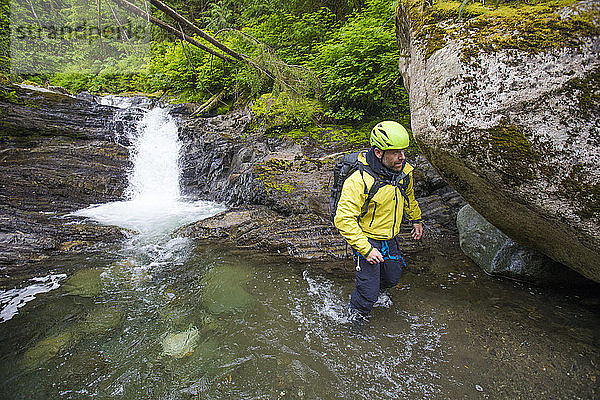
378	183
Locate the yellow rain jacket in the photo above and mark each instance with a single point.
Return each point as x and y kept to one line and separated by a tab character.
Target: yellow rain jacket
384	212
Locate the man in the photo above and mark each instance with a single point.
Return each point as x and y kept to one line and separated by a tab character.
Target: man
372	203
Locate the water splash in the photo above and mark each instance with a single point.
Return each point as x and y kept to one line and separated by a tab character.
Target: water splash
328	298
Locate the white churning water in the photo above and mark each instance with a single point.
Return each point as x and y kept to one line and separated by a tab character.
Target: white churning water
13	299
154	206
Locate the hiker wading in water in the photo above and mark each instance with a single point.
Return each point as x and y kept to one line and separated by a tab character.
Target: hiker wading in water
372	202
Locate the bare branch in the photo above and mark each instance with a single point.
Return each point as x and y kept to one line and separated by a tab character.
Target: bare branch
187	24
172	30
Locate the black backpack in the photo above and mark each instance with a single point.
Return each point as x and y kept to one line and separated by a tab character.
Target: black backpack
345	167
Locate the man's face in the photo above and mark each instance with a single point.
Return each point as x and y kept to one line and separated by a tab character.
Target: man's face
392	159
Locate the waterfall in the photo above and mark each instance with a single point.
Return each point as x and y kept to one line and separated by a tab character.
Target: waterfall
155	175
154	205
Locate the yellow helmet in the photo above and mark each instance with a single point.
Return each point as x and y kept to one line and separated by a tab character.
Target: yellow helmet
389	135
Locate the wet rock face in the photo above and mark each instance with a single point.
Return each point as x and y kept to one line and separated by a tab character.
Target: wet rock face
303	237
214	156
514	130
31	114
279	191
59	154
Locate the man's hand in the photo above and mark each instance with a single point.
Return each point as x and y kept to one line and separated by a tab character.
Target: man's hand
417	231
374	256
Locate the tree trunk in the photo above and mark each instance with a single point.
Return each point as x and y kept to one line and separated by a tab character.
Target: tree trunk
209	104
187	24
136	10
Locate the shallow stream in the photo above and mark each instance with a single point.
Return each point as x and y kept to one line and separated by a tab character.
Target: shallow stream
159	317
184	321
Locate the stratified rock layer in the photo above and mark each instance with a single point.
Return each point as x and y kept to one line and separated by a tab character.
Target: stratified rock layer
59	154
280	193
514	128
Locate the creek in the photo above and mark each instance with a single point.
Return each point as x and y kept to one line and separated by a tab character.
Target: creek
162	317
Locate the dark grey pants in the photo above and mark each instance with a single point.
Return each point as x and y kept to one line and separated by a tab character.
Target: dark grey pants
371	279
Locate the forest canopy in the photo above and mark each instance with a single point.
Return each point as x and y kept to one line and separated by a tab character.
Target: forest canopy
340	56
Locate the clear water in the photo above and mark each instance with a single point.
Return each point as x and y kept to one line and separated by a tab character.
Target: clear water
159	317
263	328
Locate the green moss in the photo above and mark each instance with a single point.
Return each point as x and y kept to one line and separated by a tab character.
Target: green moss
531	26
46	349
433	37
280	187
268	173
10	96
302	121
85	283
325	135
276	164
101	322
577	185
511	148
277	114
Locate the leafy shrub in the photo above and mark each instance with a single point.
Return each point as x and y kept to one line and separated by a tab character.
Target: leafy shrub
359	67
276	114
294	37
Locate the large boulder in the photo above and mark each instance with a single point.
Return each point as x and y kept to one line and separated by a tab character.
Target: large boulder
505	104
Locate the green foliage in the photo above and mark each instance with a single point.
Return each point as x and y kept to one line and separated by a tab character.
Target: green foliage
218	17
274	115
253	9
72	34
359	67
345	47
341	8
10	96
4	36
293	37
339	137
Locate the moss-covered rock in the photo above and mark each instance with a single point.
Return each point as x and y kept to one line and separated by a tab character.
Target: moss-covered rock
529	26
101	322
505	102
276	114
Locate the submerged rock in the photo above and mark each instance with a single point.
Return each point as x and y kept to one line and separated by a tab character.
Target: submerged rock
505	104
180	344
46	349
102	321
85	283
499	255
222	289
83	367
